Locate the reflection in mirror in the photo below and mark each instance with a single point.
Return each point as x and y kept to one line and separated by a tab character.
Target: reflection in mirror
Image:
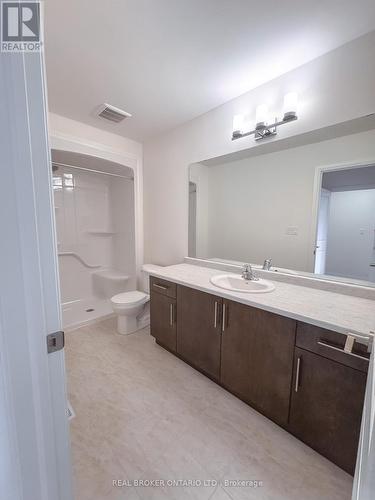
192	219
345	244
287	206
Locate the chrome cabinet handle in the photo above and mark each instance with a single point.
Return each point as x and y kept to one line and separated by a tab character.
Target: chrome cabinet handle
161	287
342	350
171	314
224	317
215	315
297	374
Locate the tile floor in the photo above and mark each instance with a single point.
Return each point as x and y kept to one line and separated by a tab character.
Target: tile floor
142	414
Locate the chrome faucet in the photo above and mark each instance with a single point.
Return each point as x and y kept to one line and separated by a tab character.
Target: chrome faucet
248	274
267	264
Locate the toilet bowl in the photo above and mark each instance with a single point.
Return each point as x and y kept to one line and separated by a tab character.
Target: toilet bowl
133	308
129	307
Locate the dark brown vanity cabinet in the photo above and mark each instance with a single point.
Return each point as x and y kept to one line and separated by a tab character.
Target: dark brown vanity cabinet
327	395
257	358
163	312
199	329
296	374
248	350
237	338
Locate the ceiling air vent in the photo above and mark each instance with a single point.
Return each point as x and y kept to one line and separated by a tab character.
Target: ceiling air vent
112	113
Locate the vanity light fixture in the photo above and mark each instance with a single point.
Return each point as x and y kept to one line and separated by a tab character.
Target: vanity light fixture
261	117
238	125
290	106
263	129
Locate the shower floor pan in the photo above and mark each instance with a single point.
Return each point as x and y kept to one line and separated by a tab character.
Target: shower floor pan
77	313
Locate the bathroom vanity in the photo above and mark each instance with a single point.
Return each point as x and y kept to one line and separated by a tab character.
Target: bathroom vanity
284	353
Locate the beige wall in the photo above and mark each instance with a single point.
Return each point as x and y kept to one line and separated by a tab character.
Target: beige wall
250	203
65	127
71	135
333	88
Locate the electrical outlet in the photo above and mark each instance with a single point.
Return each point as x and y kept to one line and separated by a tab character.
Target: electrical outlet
292	231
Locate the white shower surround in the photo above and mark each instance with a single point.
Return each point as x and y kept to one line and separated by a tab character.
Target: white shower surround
64	142
95	239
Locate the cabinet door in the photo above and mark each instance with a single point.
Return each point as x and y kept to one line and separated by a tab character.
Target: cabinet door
163	320
237	339
271	363
257	358
326	407
199	329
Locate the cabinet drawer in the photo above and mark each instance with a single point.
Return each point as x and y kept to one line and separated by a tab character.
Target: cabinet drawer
331	345
163	286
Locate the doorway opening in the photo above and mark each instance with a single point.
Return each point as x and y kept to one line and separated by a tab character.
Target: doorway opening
95	225
345	236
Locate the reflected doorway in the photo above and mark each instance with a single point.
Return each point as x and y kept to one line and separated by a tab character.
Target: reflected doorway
345	241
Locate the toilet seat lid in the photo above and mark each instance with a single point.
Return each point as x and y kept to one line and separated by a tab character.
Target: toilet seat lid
134	297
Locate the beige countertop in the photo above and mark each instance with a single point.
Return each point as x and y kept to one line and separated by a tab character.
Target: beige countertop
341	313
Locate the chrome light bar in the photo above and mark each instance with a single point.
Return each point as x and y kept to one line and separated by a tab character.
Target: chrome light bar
264	131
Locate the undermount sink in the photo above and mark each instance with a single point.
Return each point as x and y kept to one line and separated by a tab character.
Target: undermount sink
236	283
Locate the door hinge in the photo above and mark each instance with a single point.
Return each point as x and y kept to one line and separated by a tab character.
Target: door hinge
55	341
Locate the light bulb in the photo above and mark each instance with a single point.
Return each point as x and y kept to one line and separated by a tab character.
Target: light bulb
290	106
261	116
238	125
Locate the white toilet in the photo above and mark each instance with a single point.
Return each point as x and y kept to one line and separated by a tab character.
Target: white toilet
129	306
132	308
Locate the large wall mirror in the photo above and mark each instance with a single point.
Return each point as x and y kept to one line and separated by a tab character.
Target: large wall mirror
311	209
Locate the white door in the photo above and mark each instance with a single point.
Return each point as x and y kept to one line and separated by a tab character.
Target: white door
34	433
364	479
322	232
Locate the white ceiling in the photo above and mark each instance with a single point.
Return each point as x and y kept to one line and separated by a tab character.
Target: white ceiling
168	61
